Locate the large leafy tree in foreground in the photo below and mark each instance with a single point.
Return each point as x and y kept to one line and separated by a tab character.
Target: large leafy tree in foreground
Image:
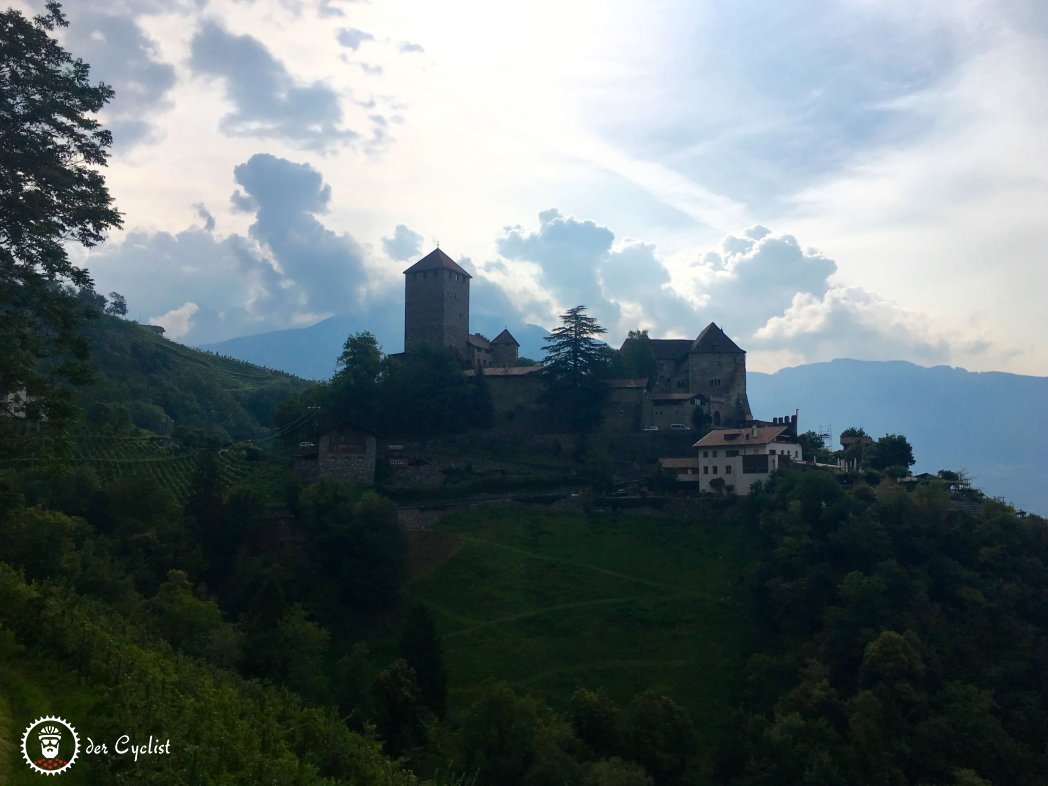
51	192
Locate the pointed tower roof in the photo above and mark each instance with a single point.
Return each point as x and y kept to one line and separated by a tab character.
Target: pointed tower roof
437	260
713	340
505	337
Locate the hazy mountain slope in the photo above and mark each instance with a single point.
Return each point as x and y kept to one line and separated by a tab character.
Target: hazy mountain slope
986	423
311	352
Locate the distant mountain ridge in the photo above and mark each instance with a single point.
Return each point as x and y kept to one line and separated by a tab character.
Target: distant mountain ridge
987	423
311	352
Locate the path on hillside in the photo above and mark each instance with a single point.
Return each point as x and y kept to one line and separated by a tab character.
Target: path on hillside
630	663
678	592
574	564
564	607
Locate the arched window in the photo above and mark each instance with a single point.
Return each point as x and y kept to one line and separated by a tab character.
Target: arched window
716	418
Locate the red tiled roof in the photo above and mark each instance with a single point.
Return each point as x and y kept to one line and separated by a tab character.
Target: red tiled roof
437	260
741	436
478	341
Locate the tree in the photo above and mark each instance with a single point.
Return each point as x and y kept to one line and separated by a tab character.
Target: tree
361	360
572	350
50	192
638	356
661	736
425	392
400	716
597	721
117	305
891	450
421	648
574	362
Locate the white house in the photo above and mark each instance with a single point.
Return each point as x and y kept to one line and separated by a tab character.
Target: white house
744	456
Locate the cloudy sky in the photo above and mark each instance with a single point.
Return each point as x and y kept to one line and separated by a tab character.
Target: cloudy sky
848	178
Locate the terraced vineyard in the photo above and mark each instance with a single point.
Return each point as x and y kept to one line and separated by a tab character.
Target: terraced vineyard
164	460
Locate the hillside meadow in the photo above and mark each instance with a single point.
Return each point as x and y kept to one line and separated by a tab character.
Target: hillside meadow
550	602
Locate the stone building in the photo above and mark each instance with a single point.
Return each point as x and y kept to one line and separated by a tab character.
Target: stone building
436	312
711	368
347	454
436	303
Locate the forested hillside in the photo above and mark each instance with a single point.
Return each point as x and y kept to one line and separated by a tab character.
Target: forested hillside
144	379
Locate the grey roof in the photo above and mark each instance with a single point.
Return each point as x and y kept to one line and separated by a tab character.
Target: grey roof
669	348
713	339
505	337
437	260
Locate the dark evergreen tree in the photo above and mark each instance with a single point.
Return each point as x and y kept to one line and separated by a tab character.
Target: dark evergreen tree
574	364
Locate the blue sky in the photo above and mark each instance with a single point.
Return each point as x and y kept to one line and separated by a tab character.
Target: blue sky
823	179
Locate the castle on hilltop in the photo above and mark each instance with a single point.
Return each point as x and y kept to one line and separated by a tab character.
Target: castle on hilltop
702	377
709	371
436	312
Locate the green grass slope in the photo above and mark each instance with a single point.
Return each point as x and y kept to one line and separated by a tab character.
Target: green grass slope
551	602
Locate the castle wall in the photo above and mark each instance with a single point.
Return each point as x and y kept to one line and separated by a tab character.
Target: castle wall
721	377
348	456
436	309
624	410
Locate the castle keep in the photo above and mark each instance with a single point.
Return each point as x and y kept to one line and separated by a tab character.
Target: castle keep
436	312
709	371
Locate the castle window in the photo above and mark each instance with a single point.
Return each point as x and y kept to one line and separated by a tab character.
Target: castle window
715	382
727	469
706	469
714	469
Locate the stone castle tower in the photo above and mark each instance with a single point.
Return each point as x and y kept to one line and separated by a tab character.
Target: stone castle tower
436	303
717	370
